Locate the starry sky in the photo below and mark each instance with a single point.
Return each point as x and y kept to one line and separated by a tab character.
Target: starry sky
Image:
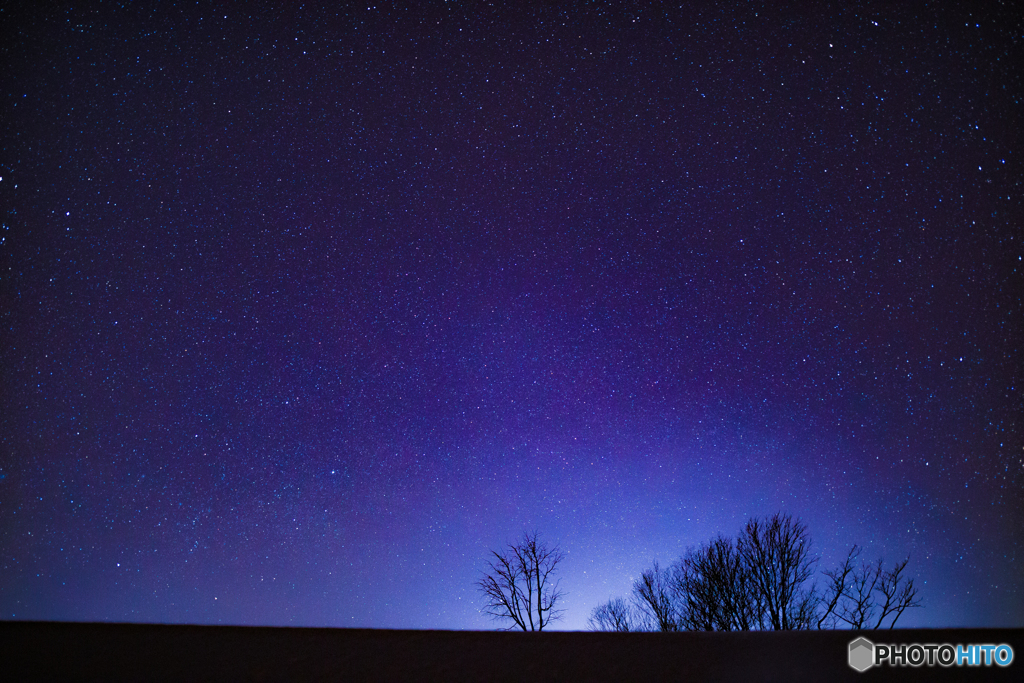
303	310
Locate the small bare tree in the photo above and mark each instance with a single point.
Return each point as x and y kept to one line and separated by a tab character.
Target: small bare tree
519	586
616	615
855	596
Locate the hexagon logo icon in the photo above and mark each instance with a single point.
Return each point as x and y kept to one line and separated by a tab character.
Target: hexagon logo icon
862	654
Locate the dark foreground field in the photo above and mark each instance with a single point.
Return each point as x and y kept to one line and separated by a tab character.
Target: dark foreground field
114	652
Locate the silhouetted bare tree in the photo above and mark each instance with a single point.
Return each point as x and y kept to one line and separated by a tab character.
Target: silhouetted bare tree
519	585
616	615
855	596
653	594
776	558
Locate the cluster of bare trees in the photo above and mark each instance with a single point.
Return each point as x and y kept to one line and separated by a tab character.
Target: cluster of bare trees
762	580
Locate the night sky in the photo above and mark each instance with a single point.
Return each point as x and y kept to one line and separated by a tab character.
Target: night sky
304	310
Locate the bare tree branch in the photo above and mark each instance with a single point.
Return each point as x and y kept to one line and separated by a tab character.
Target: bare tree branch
899	593
839	579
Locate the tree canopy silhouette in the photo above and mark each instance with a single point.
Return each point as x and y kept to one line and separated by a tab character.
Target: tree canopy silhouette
519	584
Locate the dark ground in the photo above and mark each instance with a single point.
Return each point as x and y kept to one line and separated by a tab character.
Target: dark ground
112	652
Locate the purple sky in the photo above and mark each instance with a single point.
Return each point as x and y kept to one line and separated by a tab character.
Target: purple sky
303	311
